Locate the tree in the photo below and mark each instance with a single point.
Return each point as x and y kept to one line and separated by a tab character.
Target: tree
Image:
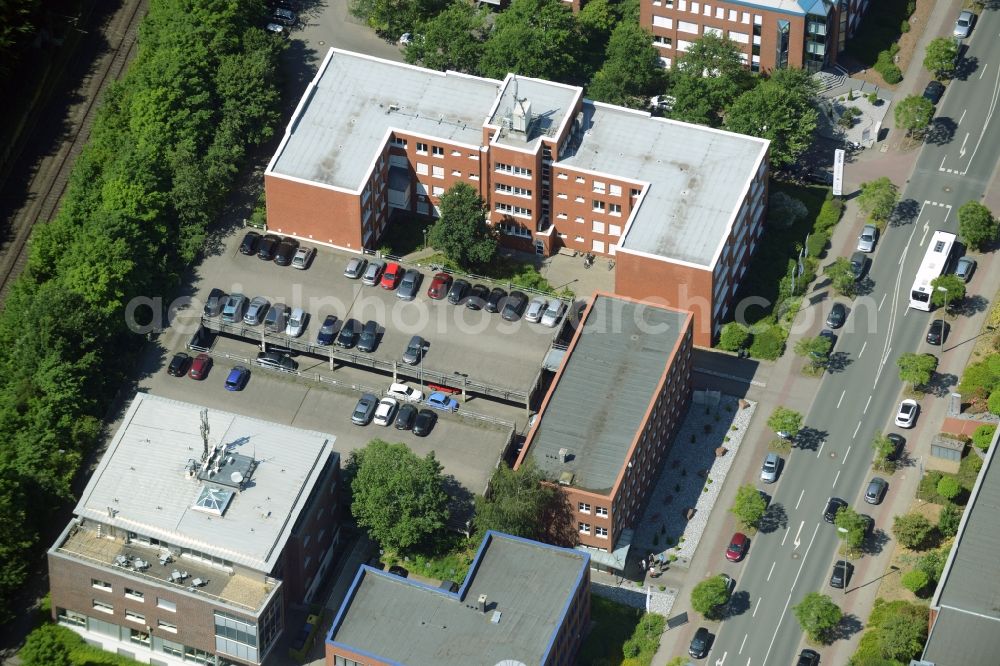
817	615
749	506
708	77
47	646
841	276
878	198
911	530
932	563
914	114
631	68
948	487
394	17
977	225
816	349
537	38
461	232
708	595
916	369
779	109
733	337
851	527
952	290
982	437
517	502
941	57
397	496
786	422
451	40
914	580
949	518
901	637
884	448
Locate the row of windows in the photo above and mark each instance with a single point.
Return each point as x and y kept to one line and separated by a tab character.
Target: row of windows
599	532
131	615
706	9
513	170
516	211
599	510
437	151
508	229
503	188
135	595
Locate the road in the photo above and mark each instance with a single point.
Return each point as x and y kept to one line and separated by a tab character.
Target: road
858	400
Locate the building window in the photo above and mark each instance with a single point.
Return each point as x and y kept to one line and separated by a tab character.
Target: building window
732	15
781	47
103	607
739	37
687	26
720	13
172	648
616	190
602	511
694	7
634	192
614	230
562	176
398	143
615	209
473	175
456	153
598	227
598	205
584	507
438	151
663	22
600	187
665	42
437	172
513	170
100	584
601	532
437	190
707	10
513	230
132	616
236	637
343	661
579	239
456	173
134	594
709	30
166	604
503	188
516	211
579	220
757	20
421	148
422	169
744	17
584	528
562	195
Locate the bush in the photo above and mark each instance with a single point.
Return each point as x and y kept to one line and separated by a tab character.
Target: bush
904	27
915	581
912	530
733	337
817	243
886	67
784	210
948	520
829	214
769	344
948	488
983	436
994	402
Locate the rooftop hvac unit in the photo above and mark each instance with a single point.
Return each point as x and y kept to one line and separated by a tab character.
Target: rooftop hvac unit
563	455
482	603
566	479
522	115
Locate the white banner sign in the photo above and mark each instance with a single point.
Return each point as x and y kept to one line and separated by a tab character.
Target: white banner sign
838	172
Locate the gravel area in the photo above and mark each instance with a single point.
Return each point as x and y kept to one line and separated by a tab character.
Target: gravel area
692	477
628	594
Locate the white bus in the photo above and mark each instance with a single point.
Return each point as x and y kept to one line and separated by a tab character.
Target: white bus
935	263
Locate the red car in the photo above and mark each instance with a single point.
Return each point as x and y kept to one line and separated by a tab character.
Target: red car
439	286
393	273
200	366
737	547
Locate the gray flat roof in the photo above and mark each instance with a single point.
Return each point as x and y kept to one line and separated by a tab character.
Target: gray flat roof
697	178
354	100
604	389
402	621
142	482
962	639
550	102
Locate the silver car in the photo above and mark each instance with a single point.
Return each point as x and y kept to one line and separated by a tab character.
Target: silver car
415	350
355	267
769	470
964	268
963	26
535	309
867	238
256	311
410	284
553	312
232	311
296	323
373	273
277	318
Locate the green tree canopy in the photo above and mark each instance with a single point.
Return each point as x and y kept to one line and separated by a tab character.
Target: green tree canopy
631	68
878	198
941	57
850	527
779	109
815	349
786	422
977	225
916	369
394	17
912	530
883	448
901	637
748	507
398	497
537	38
915	580
708	595
841	276
948	487
948	519
708	77
983	437
817	615
451	40
952	290
517	503
47	646
913	113
733	337
461	232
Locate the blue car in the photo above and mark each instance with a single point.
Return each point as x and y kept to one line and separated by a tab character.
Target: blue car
237	378
439	400
327	331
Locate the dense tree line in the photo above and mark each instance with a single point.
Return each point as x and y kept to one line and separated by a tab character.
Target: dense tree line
164	150
19	25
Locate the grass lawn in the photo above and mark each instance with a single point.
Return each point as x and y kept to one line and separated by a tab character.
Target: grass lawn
613	624
405	234
450	562
878	31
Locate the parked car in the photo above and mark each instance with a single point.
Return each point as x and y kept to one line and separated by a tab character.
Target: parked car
963	24
249	243
404	393
898	442
327	331
828	335
276	360
200	366
808	658
373	273
439	286
495	298
214	303
355	267
934	91
391	276
405	39
553	312
424	422
368	339
276	29
179	365
700	643
237	379
769	470
285	17
858	264
296	323
385	412
876	490
303	257
234	308
459	290
477	297
277	318
833	506
415	350
535	309
349	334
405	416
841	574
364	410
938	332
514	307
965	267
397	570
906	415
410	284
442	401
837	316
737	547
869	524
867	238
267	246
256	312
285	250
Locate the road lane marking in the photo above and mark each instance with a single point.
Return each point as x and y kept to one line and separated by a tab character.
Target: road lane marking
986	123
882	301
941	168
962	117
855	435
789	599
863	347
845	455
743	643
983	71
721	660
756	606
785	537
961	151
927	230
772	570
867	404
801	494
798	541
836	478
841	398
821	445
802	563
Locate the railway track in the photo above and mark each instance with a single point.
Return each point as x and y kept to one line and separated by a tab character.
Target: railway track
48	184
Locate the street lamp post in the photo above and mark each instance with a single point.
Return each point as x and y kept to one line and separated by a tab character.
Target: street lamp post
946	294
425	238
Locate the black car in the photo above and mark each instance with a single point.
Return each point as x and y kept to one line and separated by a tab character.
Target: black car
938	332
808	658
858	264
424	423
179	365
869	524
514	307
249	244
405	416
898	442
833	506
285	250
349	334
837	316
458	291
369	337
477	297
213	305
327	331
933	91
267	246
841	574
397	570
700	642
494	299
826	334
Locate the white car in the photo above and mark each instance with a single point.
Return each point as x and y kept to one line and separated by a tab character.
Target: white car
553	312
906	415
405	39
296	323
386	411
404	393
535	309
